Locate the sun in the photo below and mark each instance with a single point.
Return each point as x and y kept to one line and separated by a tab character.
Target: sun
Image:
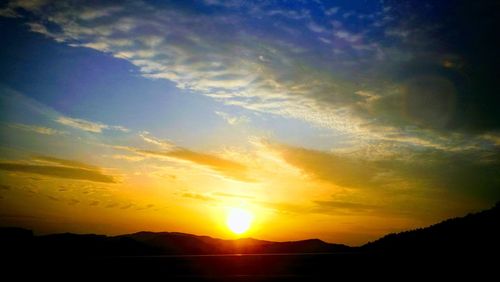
239	220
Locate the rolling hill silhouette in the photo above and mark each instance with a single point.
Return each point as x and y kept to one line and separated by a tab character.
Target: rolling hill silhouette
452	248
474	233
18	241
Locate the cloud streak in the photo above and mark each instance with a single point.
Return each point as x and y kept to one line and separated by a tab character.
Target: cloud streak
85	125
36	128
59	168
220	165
418	173
58	171
63	162
232	119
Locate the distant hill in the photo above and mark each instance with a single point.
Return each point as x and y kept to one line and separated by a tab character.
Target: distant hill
461	248
475	233
20	241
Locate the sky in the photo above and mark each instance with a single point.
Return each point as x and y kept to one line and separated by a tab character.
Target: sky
337	120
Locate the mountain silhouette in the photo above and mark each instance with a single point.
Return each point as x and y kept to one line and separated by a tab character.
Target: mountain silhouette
20	241
474	233
463	247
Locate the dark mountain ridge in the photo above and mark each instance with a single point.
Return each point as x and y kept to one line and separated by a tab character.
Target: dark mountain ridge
21	241
476	232
461	248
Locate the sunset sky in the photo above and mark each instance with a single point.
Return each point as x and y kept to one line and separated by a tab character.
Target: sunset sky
342	120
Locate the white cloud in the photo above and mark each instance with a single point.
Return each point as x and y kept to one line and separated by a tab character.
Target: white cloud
492	137
316	28
348	14
119	128
82	124
347	36
368	96
324	40
164	144
89	126
291	14
36	27
92	14
232	119
332	11
36	128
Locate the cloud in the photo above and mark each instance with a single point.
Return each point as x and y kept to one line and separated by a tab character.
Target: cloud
13	100
131	158
89	126
170	43
60	168
63	162
340	170
119	128
325	40
230	195
316	28
286	207
384	82
231	119
58	171
332	206
223	166
421	173
4	187
332	11
36	128
234	76
92	14
82	124
198	196
348	36
492	137
290	14
165	144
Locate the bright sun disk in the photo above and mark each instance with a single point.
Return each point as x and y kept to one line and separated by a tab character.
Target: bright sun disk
239	220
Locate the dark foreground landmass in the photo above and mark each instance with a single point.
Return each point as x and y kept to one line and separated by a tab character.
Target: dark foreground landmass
464	247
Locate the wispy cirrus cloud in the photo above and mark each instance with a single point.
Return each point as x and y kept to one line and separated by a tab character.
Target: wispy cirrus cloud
90	126
63	162
420	173
198	196
334	206
224	167
37	128
232	195
59	168
166	149
164	144
233	119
